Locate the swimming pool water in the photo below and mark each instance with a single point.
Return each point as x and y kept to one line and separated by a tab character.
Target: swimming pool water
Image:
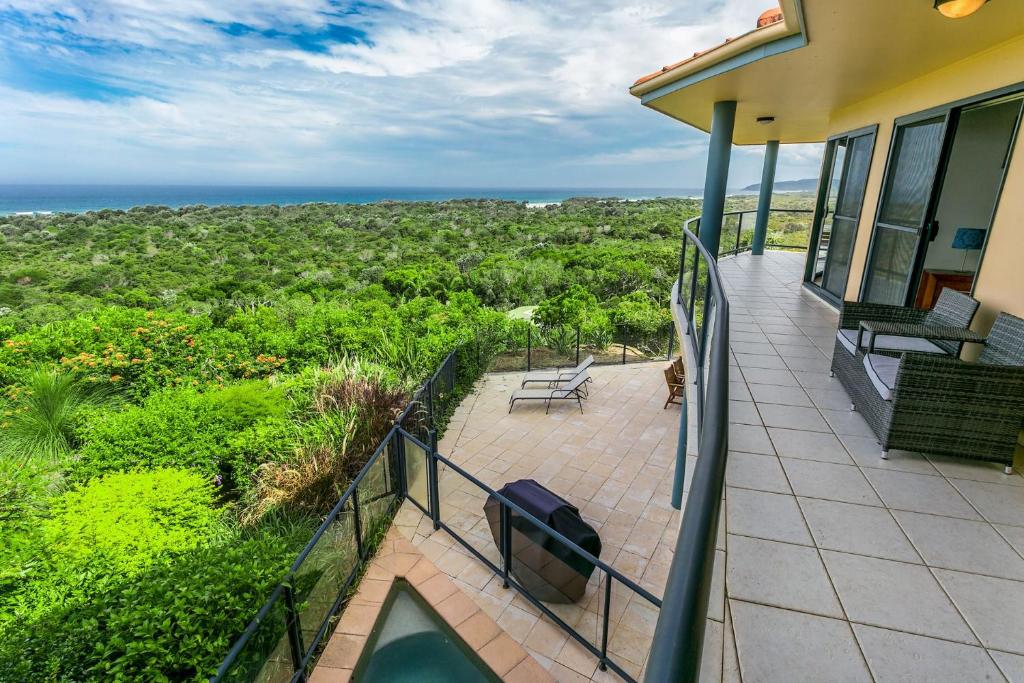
410	642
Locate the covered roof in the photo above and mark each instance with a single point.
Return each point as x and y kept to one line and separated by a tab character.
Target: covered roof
822	56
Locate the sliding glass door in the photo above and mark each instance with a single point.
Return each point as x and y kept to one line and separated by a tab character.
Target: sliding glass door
905	215
848	158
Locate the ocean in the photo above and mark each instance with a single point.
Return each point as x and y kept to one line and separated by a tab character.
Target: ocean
78	198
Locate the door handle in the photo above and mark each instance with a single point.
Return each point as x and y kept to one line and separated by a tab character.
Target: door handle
933	231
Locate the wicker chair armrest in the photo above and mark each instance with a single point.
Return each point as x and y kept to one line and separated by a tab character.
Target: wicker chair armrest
931	379
854	311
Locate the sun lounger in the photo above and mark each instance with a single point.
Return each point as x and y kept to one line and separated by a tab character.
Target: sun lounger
573	391
553	377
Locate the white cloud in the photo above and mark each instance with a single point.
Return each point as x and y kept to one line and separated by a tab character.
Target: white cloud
519	91
657	154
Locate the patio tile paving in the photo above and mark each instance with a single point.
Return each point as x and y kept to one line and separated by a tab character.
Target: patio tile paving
792	417
961	544
919	493
999	503
858	529
750	439
866	451
757	471
993	607
804	445
908	658
814	479
876	592
782	645
779	574
771	393
771	516
1011	665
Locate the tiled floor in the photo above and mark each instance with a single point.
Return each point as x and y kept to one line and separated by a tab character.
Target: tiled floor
614	462
842	566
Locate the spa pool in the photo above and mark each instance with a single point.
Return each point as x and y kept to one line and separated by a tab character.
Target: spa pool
410	642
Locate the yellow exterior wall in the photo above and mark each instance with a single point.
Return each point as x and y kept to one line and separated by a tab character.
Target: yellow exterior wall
1000	284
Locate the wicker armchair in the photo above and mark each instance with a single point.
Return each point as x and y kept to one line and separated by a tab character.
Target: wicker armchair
953	309
942	405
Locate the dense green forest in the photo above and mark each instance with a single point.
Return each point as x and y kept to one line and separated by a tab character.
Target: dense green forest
187	391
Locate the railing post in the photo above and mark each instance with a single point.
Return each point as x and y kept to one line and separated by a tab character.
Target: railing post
604	624
693	283
505	538
429	386
679	477
682	268
357	523
399	445
294	630
671	342
739	229
577	346
435	497
529	345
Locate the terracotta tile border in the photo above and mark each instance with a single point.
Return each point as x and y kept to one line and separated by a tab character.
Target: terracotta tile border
398	558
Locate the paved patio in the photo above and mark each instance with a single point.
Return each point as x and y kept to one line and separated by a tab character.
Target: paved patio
614	462
836	565
842	566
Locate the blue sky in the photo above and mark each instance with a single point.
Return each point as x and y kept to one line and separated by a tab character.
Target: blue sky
494	93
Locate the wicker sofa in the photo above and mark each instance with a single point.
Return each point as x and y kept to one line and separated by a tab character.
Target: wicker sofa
939	404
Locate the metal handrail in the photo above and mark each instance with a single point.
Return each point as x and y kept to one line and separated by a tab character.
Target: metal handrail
738	249
507	507
679	636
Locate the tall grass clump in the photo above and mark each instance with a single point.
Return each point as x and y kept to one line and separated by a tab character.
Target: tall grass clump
45	412
351	408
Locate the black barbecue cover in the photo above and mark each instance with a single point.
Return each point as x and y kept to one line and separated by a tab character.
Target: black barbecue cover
546	567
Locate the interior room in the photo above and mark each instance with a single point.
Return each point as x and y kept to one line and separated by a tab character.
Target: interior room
966	202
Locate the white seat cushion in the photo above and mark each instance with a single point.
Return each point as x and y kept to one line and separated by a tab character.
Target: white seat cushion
885	342
848	338
882	373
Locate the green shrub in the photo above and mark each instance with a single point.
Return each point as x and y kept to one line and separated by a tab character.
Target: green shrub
139	349
110	529
122	521
25	486
222	434
173	622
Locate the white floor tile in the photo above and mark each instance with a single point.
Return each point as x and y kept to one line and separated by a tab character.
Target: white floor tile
781	646
859	529
907	658
993	607
895	595
779	574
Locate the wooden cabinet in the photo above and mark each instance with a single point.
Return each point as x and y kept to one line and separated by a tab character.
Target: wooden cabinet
933	281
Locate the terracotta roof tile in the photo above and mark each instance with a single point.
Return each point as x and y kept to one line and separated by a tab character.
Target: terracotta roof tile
766	18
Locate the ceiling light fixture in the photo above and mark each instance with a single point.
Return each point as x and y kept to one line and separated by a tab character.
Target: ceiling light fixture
957	9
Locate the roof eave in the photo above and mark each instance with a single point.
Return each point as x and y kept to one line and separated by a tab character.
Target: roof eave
742	50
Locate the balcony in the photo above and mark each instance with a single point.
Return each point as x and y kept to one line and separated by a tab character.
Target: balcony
837	560
911	566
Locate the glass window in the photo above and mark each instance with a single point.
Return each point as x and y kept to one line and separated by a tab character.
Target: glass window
909	187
